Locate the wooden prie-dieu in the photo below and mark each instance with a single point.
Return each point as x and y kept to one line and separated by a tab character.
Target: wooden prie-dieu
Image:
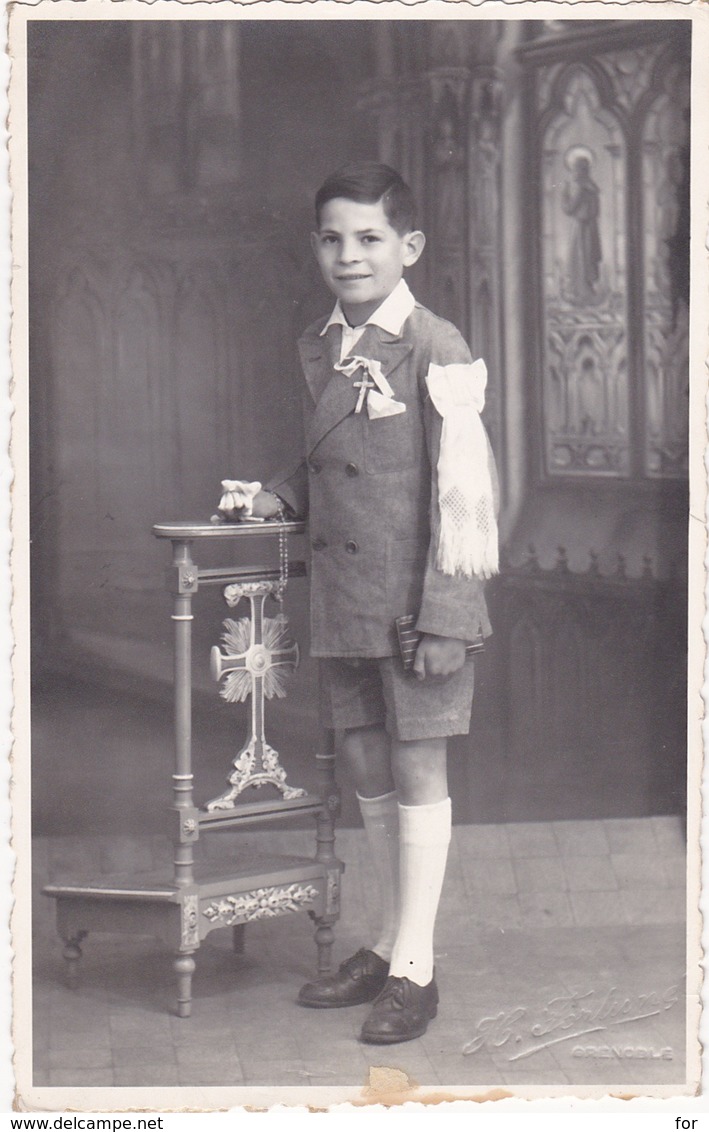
196	897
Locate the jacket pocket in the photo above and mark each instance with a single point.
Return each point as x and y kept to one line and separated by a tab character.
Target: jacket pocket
391	444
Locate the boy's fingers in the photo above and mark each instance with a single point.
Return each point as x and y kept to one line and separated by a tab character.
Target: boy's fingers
419	665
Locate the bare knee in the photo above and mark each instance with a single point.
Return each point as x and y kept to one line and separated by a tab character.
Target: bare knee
367	751
364	742
420	771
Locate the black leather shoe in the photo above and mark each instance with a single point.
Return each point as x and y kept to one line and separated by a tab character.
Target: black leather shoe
359	979
401	1012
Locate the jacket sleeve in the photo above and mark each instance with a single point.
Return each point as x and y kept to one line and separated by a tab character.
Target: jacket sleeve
292	487
451	605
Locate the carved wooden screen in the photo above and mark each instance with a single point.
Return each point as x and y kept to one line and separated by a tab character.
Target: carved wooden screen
611	138
665	144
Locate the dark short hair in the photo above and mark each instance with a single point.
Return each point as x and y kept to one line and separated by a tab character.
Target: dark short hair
369	182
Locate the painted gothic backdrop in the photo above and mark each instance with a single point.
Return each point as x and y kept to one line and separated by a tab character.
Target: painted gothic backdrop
172	169
612	133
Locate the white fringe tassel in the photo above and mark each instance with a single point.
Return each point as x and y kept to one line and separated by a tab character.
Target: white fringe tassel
467	539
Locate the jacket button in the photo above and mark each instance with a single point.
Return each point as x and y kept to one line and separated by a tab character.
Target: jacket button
351	546
318	544
352	470
314	466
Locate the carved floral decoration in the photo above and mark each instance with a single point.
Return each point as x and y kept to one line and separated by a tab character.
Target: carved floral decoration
260	904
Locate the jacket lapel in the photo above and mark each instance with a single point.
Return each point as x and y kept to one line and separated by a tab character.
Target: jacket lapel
388	350
318	354
334	394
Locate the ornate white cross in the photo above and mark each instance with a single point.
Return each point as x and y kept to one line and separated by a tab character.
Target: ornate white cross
258	656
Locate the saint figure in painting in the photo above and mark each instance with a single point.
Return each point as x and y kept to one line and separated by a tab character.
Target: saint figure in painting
581	201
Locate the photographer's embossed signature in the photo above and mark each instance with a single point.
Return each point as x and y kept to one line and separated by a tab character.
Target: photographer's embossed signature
565	1018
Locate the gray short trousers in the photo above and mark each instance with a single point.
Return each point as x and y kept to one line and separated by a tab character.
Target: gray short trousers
361	692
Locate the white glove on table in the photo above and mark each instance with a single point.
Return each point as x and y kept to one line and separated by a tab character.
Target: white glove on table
237	496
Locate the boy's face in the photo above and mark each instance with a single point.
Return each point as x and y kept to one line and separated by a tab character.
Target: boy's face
361	257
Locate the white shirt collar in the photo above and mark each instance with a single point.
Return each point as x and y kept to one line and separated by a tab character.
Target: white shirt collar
390	315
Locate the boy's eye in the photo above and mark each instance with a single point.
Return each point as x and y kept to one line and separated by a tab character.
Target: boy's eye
370	239
328	239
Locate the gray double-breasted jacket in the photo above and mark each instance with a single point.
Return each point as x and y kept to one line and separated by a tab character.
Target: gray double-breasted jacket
368	488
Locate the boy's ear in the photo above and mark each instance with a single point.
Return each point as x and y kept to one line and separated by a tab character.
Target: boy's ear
414	243
314	242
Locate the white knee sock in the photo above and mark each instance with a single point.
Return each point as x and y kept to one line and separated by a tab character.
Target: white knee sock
381	822
424	837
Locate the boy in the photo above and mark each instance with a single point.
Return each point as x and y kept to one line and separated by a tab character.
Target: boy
398	488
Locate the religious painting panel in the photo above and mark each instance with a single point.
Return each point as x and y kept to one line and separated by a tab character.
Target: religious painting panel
584	280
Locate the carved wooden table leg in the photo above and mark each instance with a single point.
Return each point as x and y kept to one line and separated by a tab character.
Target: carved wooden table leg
72	955
325	839
184	967
185	575
324	939
185	583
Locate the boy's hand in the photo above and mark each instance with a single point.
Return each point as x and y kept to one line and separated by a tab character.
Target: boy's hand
265	505
437	658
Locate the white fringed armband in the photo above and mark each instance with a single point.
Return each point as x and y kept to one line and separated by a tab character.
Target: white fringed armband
468	528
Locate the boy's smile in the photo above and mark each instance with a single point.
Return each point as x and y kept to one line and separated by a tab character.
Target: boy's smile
361	256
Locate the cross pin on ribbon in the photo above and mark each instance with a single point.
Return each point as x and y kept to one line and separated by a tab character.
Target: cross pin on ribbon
364	386
372	377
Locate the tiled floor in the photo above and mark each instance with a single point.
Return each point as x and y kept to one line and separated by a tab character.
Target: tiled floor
560	958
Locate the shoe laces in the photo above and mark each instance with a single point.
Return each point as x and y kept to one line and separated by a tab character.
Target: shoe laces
355	962
395	990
